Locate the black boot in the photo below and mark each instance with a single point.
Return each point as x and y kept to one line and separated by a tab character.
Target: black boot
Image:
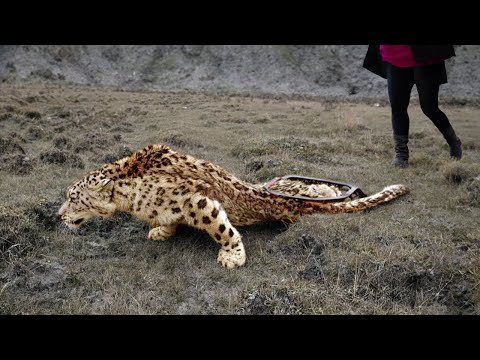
454	142
401	151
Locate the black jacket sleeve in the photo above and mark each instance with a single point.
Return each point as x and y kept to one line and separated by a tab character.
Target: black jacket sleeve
428	52
373	61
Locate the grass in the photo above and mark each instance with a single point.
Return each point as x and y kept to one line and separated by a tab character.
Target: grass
418	255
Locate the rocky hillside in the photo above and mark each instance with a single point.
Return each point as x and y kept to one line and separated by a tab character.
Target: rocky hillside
276	69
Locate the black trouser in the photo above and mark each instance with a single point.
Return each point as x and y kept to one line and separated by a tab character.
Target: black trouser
400	82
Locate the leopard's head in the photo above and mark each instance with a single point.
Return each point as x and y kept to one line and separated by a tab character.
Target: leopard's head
91	196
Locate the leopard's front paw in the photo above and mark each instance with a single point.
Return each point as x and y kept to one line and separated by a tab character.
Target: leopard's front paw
161	232
232	257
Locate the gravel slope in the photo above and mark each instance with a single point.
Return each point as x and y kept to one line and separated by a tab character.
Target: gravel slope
319	70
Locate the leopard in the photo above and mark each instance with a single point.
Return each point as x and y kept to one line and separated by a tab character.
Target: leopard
166	188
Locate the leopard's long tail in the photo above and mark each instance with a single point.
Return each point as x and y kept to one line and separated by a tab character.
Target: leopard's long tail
388	194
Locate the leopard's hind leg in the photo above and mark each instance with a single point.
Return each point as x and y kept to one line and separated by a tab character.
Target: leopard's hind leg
206	214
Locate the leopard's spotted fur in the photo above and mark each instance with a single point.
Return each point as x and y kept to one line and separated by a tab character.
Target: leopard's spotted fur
299	188
165	188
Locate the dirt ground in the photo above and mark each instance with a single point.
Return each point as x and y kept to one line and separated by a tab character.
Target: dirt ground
417	255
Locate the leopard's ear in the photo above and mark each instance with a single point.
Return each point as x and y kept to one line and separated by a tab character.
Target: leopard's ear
103	185
106	184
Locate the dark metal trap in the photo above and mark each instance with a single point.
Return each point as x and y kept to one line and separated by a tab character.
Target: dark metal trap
342	190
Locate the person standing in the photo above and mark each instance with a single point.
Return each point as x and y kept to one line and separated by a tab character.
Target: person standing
406	65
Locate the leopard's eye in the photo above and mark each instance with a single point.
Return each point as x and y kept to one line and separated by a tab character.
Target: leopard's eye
71	194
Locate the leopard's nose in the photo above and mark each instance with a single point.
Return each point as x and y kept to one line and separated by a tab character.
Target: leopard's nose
62	210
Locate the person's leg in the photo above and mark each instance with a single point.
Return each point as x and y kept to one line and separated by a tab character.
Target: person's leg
428	88
400	82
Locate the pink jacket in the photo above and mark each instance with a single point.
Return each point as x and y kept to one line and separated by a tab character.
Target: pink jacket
402	56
